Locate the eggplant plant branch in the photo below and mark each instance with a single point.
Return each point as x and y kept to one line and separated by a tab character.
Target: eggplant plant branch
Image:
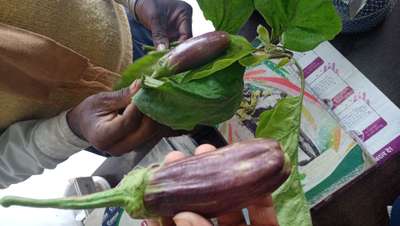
200	81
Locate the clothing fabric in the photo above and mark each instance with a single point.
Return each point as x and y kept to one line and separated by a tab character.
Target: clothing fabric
96	29
53	54
29	147
40	34
140	36
395	213
40	78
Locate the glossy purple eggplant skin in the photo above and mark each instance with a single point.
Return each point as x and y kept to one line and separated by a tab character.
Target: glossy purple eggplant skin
216	182
197	51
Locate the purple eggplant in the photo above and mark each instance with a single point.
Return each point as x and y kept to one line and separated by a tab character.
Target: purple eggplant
193	53
208	184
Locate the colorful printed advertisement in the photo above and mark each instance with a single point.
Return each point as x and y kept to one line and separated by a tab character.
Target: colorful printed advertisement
359	106
329	157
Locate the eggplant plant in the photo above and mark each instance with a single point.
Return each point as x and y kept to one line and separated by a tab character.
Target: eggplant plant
200	81
296	25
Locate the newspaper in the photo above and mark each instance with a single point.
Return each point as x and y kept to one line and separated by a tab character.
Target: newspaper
345	120
359	106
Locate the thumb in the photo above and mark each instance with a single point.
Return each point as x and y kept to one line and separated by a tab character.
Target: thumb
159	34
119	99
188	218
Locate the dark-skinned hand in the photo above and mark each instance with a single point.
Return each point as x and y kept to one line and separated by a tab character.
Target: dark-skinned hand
111	122
168	20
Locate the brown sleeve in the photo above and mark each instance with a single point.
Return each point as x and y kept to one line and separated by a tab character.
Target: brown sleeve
32	65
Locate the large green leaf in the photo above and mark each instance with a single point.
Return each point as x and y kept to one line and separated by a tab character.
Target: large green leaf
207	101
140	68
282	123
300	25
227	15
239	47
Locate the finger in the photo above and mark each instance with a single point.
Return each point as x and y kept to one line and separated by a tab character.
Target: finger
174	156
130	119
113	127
114	101
121	125
135	86
131	116
146	132
167	221
256	214
185	29
263	213
164	221
265	200
188	218
204	148
185	22
150	222
231	218
159	33
262	216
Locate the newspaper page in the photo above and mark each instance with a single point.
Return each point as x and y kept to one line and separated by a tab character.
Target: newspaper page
347	126
361	108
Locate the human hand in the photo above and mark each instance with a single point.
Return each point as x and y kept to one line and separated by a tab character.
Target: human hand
261	210
168	20
98	120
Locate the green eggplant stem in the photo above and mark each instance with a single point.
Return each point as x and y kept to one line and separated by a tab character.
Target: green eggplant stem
113	197
302	80
129	195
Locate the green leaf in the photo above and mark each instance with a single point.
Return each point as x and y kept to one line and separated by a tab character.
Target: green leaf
207	101
227	15
300	25
263	122
282	123
283	62
140	68
263	35
291	204
252	60
239	48
282	120
152	82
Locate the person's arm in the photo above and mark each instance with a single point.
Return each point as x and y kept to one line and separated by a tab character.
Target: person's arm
30	67
109	121
29	147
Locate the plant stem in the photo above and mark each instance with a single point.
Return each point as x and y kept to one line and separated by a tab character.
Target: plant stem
302	80
113	197
280	55
149	48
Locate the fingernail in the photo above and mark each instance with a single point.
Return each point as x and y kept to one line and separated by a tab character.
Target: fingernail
144	223
181	222
161	47
135	86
